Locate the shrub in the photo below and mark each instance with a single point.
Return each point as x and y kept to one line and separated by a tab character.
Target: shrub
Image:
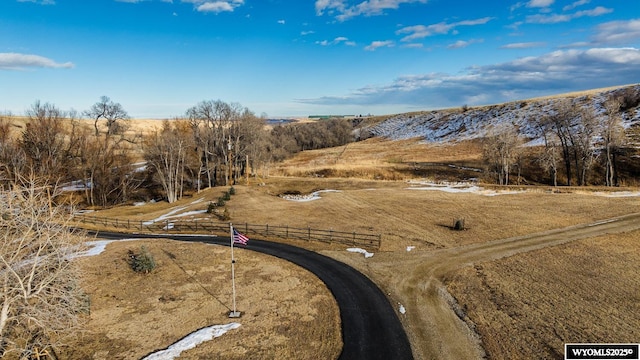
221	201
211	208
226	196
226	215
232	191
142	262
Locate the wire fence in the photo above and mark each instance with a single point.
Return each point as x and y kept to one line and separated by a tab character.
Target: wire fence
208	226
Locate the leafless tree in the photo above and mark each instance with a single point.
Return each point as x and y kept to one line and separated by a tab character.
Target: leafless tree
501	150
106	161
613	137
222	132
12	157
583	136
113	114
550	156
44	140
169	151
41	300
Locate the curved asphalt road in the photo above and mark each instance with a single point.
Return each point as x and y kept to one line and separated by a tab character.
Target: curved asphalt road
370	327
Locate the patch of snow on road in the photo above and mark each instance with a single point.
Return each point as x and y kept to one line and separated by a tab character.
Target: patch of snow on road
409	248
361	251
197	201
191	341
402	309
304	198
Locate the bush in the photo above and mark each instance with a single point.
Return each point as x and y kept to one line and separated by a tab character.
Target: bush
226	215
226	196
221	201
211	208
232	191
142	262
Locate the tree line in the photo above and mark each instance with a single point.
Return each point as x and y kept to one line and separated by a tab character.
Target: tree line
575	140
213	144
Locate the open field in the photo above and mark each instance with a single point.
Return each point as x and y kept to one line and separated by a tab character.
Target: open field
407	216
528	305
487	290
133	315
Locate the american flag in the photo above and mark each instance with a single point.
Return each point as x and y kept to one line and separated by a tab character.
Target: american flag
239	238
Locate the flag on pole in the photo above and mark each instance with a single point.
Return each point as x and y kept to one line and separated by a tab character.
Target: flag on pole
239	238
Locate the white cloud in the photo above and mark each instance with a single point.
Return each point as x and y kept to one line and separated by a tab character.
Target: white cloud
378	44
618	32
282	22
463	44
15	61
421	31
344	11
336	41
575	5
41	2
558	18
215	6
523	45
540	3
555	72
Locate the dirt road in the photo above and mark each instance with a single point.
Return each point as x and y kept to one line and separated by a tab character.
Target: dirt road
441	333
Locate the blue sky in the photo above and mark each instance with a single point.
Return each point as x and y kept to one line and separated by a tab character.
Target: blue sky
300	57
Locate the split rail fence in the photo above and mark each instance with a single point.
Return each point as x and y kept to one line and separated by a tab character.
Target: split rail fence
206	226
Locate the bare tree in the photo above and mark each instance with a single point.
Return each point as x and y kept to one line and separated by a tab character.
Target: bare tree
549	158
562	122
44	140
501	150
169	151
106	160
613	137
41	300
12	158
112	113
220	138
583	134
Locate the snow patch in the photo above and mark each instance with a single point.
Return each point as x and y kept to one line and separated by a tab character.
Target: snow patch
304	198
174	214
191	341
458	187
617	194
409	248
361	251
402	309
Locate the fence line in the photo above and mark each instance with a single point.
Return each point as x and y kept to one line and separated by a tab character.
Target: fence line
370	241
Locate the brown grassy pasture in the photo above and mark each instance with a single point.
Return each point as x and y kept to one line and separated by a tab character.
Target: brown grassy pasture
287	312
527	306
379	159
419	218
503	279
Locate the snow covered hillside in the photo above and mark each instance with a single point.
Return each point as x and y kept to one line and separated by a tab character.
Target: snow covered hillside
473	122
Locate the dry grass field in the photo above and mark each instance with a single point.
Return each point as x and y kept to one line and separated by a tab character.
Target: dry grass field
528	305
133	315
487	289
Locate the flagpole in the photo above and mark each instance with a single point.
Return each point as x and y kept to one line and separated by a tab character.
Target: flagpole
234	313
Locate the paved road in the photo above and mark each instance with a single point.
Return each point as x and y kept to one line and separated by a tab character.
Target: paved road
370	327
